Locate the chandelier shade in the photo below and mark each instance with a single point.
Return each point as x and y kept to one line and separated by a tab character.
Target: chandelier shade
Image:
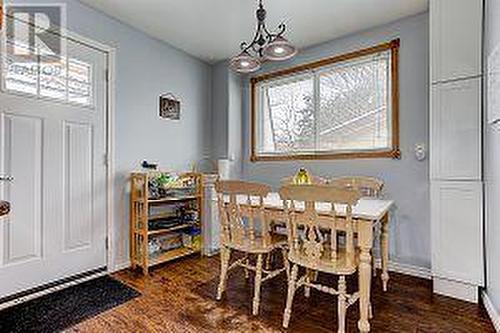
244	63
265	45
279	49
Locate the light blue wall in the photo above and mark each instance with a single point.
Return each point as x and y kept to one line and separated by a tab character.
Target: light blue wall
492	169
406	179
146	68
226	117
220	102
235	141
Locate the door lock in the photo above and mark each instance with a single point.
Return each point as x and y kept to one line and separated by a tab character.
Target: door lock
6	178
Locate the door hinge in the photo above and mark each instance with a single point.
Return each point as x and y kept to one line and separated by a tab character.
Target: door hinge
106	243
106	159
106	75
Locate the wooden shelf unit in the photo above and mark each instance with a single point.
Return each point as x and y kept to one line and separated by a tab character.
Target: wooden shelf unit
140	215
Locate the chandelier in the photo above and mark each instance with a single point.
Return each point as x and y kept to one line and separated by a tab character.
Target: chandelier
265	45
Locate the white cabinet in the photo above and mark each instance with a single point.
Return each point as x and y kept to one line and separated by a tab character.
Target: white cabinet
456	130
455	147
457	234
455	32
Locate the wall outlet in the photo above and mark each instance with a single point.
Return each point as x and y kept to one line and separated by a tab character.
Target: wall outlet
420	151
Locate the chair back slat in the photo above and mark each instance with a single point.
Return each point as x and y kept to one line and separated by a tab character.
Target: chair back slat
313	238
241	207
333	234
367	186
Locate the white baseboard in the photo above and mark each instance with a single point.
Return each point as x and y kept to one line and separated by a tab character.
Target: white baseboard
417	271
120	266
455	289
492	312
212	253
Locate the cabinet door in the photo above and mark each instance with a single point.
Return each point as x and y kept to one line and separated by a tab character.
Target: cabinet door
457	232
455	34
456	130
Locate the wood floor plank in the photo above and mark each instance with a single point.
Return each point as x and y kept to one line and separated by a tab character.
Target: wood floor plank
180	297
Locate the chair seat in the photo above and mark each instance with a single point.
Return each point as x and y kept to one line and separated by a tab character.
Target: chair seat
258	246
340	266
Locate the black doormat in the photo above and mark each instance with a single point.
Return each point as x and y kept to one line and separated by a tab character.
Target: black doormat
62	309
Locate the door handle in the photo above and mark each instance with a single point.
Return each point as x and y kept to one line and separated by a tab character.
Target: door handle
6	178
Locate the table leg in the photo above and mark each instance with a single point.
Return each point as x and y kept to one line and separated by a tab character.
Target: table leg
384	248
365	232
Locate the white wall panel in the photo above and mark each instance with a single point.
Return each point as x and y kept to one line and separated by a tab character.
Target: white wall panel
23	231
457	234
456	130
78	195
456	28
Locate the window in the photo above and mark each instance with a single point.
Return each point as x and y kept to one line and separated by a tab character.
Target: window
342	107
63	78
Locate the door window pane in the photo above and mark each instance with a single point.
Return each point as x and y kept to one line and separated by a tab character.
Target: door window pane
79	82
67	78
53	77
20	72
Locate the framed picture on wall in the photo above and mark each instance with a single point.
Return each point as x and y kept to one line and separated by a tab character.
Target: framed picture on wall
170	107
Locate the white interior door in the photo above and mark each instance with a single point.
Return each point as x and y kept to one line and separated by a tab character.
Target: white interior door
53	144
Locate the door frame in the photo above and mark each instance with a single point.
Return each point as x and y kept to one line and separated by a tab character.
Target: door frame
109	159
110	77
109	118
110	141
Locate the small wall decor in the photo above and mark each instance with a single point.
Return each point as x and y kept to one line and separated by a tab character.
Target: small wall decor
170	107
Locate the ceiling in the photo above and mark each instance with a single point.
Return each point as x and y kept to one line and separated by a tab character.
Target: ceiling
213	29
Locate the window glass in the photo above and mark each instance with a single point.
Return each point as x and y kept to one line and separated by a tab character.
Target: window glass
341	107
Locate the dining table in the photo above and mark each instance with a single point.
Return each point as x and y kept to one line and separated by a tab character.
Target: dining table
369	214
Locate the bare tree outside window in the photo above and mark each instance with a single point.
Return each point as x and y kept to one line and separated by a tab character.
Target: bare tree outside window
341	107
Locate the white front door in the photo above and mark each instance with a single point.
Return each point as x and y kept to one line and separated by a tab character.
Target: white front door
53	145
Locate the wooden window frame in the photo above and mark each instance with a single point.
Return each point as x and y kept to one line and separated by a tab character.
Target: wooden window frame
394	152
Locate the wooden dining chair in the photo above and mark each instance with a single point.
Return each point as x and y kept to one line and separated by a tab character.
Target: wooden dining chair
367	186
245	228
312	241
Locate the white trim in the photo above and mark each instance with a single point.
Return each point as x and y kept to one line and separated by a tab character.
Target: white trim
455	289
110	143
110	151
50	290
212	253
110	134
492	311
411	270
119	267
406	269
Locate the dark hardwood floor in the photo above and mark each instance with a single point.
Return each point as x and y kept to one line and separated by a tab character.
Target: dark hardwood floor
180	297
